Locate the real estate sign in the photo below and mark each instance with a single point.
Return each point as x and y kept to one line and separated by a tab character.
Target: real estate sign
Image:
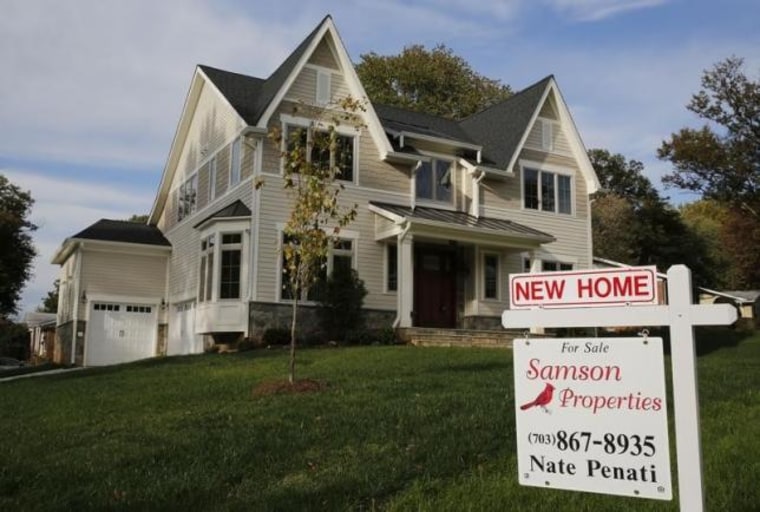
588	288
591	415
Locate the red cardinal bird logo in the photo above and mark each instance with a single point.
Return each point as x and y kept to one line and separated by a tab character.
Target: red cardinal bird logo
542	400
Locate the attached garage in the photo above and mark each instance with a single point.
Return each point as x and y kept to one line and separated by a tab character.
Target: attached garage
182	337
120	332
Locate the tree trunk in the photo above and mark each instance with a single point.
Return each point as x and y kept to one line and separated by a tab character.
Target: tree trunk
292	374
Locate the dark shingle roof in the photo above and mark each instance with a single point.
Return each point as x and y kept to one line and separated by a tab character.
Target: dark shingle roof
456	218
124	231
251	96
401	119
236	209
500	127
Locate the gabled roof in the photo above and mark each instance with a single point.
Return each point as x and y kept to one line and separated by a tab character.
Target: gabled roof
231	211
250	96
501	127
454	219
123	231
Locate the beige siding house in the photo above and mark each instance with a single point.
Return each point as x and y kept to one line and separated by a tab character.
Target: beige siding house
447	210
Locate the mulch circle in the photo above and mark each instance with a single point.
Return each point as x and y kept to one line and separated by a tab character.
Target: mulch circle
282	387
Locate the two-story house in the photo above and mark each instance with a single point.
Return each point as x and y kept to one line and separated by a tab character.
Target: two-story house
446	211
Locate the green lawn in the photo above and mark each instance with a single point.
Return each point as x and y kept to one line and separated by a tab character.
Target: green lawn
398	428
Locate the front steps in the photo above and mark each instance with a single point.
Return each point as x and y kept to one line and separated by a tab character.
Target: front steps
430	337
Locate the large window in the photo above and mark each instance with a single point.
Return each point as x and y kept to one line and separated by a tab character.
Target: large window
187	197
224	276
212	179
391	282
547	191
229	280
433	181
490	276
206	281
235	163
340	256
339	155
548	265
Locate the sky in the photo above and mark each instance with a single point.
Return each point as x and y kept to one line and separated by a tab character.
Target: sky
91	90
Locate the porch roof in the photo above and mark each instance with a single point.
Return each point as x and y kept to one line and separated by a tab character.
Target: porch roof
461	225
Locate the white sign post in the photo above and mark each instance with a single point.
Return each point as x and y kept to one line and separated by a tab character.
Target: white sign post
681	316
591	415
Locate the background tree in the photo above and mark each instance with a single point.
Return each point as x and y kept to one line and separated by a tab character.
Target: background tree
140	219
50	302
310	171
17	253
633	224
721	160
433	81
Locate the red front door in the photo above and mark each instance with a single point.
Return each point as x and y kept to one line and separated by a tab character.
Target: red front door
434	288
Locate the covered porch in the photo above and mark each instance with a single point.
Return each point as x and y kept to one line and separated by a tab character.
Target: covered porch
451	267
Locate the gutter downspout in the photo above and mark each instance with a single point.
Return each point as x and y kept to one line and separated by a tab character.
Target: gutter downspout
399	295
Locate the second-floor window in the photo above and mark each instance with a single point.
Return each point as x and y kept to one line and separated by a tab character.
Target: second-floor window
433	181
212	179
339	155
547	191
187	197
235	163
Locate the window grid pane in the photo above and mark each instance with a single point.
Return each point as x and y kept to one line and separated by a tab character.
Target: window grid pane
443	180
491	276
424	179
547	192
563	194
530	188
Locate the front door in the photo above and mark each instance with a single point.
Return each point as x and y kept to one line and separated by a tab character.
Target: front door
434	288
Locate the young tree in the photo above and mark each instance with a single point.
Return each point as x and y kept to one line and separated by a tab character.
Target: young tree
721	160
311	166
17	251
432	81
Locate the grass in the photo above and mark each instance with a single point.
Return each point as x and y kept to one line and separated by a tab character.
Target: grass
398	428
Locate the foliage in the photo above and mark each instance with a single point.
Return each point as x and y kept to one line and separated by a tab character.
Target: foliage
276	336
340	310
140	219
708	219
311	158
18	252
433	81
721	160
632	224
14	340
50	302
399	428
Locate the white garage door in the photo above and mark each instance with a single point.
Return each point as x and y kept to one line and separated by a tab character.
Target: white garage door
182	337
119	333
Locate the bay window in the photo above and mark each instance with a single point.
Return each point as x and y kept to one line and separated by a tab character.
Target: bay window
220	273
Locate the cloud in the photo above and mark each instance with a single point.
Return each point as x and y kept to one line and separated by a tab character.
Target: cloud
595	10
63	206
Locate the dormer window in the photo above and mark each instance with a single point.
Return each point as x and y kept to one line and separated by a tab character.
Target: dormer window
433	180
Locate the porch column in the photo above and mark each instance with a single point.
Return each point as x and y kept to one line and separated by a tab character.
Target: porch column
405	279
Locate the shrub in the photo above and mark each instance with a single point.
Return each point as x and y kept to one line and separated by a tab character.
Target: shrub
245	345
340	309
276	336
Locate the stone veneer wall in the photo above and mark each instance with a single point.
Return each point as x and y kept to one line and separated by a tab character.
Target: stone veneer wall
267	315
483	323
161	347
63	336
79	345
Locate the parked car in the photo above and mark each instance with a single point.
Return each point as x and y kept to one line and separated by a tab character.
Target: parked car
6	363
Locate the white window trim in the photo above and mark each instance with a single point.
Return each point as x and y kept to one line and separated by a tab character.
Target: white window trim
483	254
344	234
192	177
556	170
386	261
452	177
218	229
310	125
236	168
